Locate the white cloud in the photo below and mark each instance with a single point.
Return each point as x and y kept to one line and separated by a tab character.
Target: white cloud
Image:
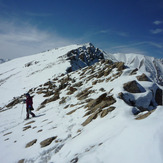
113	32
25	39
157	22
156	31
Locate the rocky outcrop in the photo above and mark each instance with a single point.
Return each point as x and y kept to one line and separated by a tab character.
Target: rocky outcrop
83	56
95	107
54	98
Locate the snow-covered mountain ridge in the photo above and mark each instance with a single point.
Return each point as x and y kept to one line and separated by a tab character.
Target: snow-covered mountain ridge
151	65
84	114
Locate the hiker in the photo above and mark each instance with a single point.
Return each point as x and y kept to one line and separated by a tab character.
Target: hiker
29	107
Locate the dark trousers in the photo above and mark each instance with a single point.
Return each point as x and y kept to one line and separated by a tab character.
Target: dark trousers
29	112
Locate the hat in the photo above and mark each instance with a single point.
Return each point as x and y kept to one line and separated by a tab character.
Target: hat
27	94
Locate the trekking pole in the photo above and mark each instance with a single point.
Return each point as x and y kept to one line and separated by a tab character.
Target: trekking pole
22	110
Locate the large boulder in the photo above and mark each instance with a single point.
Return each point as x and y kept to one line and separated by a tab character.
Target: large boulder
133	87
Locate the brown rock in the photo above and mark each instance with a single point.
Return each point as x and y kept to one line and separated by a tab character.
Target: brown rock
54	98
47	142
29	122
63	100
71	90
31	143
145	115
89	119
71	112
13	103
98	104
107	72
120	66
21	161
133	72
106	111
26	128
7	133
78	84
132	87
143	77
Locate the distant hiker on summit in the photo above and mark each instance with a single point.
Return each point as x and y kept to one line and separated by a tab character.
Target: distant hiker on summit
29	106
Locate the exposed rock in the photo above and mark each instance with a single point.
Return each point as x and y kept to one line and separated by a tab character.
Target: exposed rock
107	72
120	66
115	76
29	122
48	93
94	82
78	84
63	100
143	77
7	133
159	96
26	128
74	160
133	87
102	89
31	143
54	98
89	119
144	115
133	72
101	102
107	61
100	74
71	90
95	107
21	161
66	106
71	112
106	111
84	94
82	58
47	142
6	139
14	102
40	107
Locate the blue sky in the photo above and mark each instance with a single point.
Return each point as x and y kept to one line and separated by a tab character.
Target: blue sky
126	26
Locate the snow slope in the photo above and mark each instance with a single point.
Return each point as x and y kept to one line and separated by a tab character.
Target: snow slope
112	133
147	64
20	75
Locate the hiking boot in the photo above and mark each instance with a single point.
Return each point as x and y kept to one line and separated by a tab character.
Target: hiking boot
33	115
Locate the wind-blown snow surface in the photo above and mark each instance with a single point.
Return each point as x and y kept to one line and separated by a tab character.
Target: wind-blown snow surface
116	138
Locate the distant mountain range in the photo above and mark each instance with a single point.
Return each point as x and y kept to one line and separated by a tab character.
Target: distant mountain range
151	65
3	60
